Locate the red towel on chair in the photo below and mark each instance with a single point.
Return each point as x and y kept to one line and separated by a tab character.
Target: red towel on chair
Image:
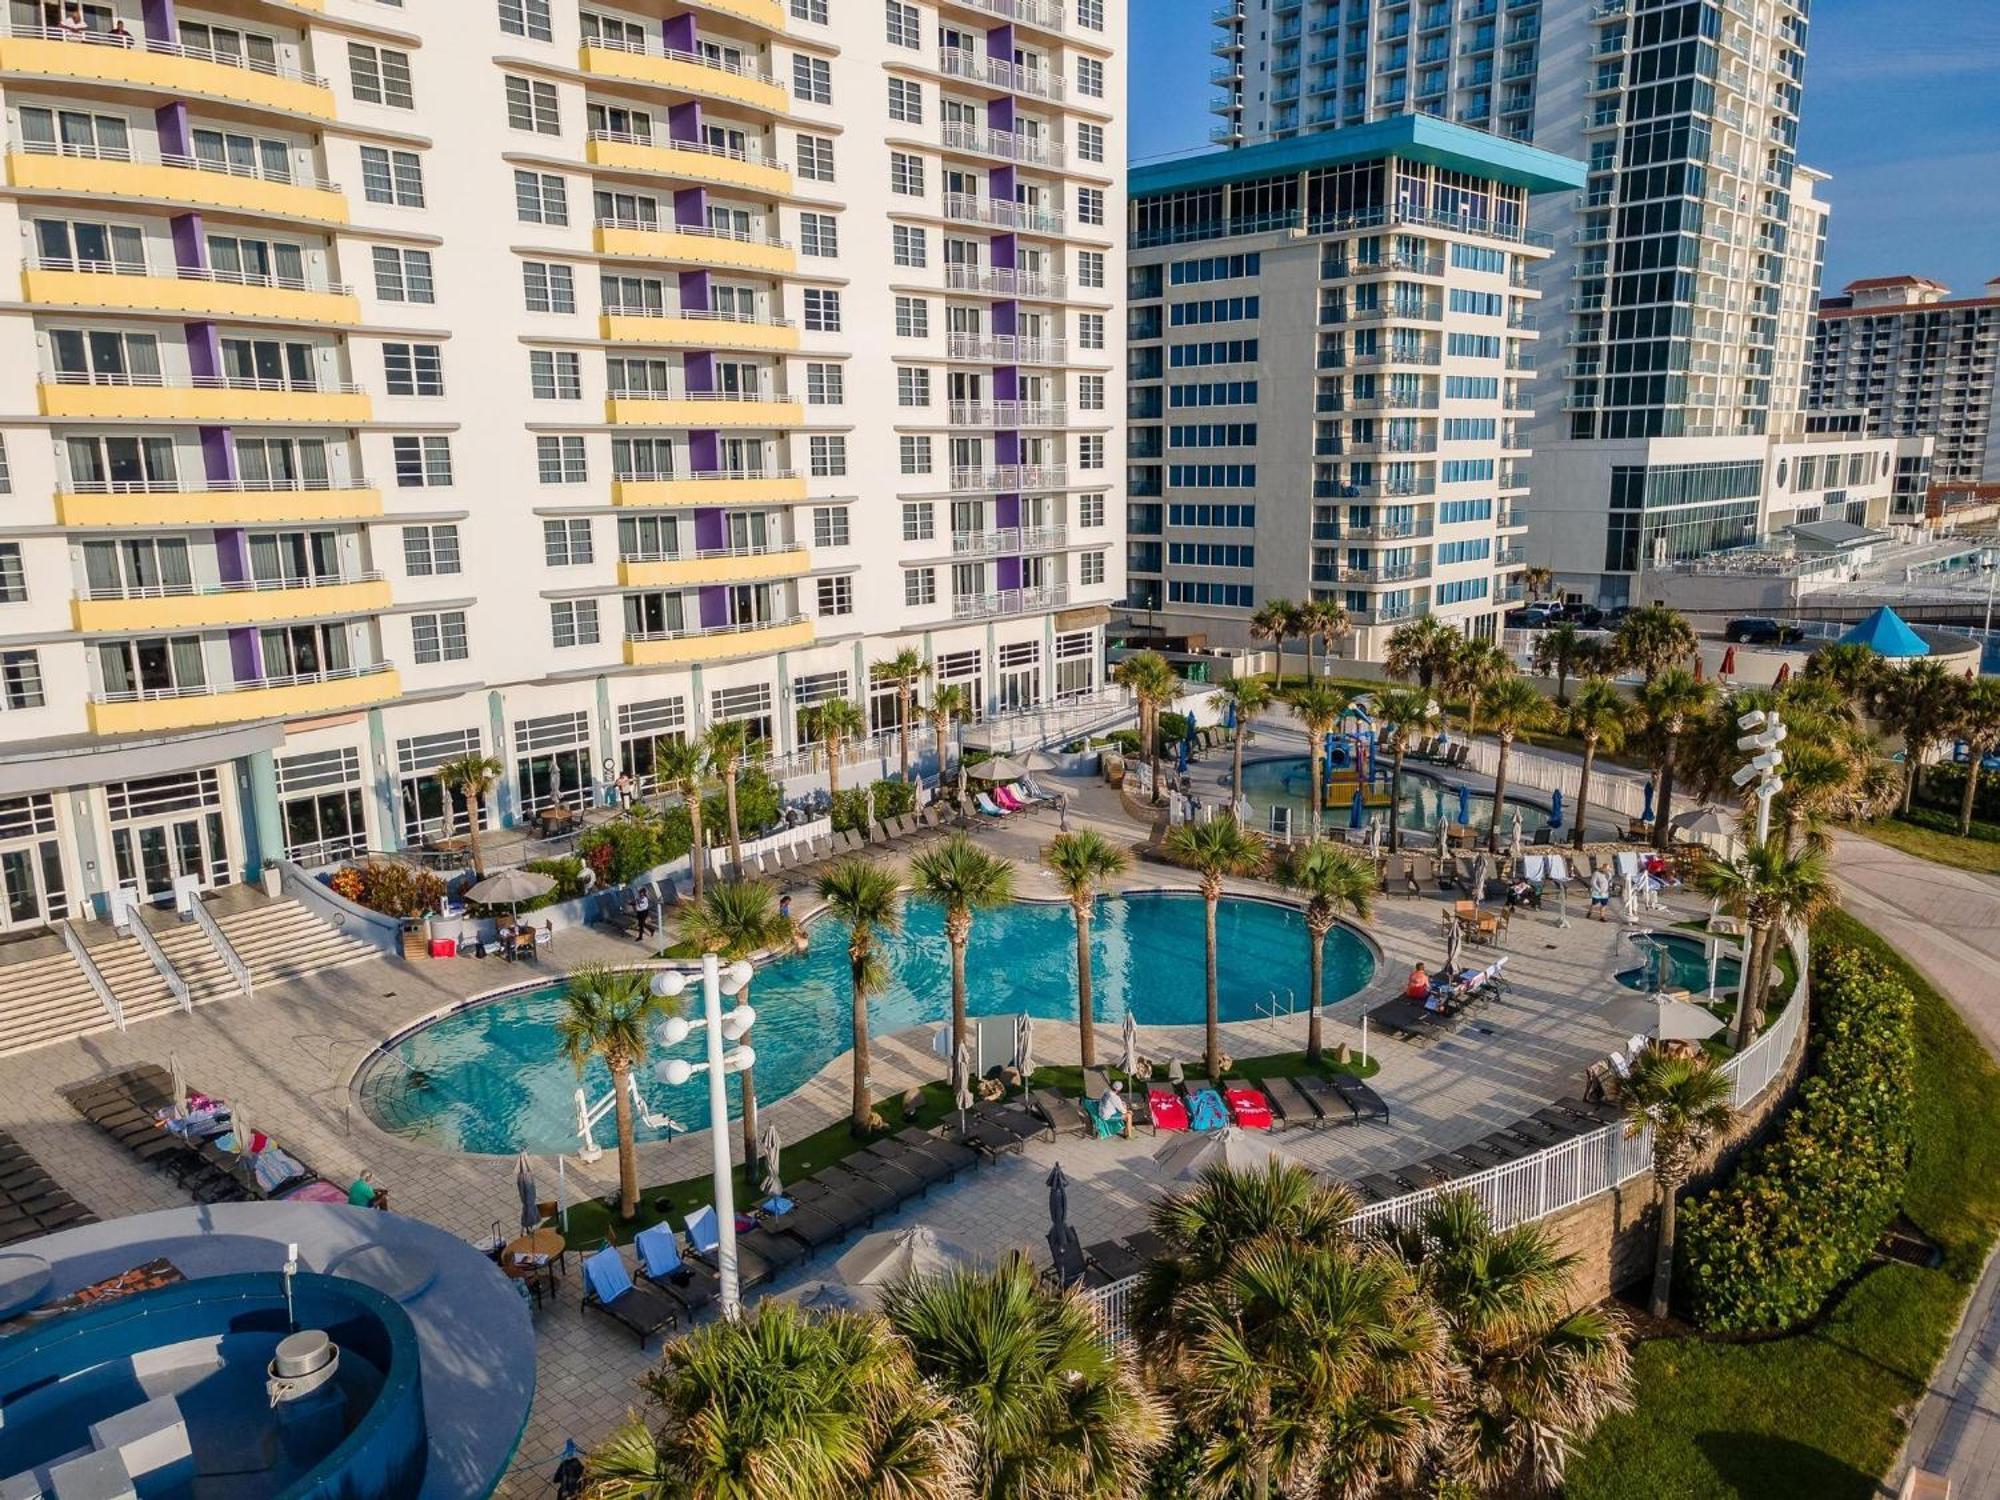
1248	1107
1167	1109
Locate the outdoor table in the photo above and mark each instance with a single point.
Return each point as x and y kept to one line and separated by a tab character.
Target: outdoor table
538	1275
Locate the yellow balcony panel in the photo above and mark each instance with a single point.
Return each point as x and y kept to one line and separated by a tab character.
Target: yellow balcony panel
217	507
773	258
723	644
203	403
633	411
766	13
684	75
197	297
727	567
172	184
693	162
667	494
700	333
230	607
292	700
167	69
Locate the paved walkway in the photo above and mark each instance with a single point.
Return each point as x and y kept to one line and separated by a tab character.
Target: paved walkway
1947	923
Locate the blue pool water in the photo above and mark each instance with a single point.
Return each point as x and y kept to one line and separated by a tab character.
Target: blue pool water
1674	960
489	1078
1427	802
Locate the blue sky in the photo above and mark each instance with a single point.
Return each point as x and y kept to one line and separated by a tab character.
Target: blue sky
1902	106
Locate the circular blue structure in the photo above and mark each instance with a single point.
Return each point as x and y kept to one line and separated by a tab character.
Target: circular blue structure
1677	961
488	1078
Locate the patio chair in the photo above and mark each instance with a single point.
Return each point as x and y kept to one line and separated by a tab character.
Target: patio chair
1378	1187
1458	756
1165	1109
1294	1104
929	1169
958	1158
866	1175
1333	1108
1357	1096
1395	871
661	1265
608	1288
1248	1108
1415	874
987	805
845	1212
804	1224
1064	1115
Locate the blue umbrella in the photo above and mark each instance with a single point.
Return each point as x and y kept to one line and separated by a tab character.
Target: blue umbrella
1647	815
1181	756
1229	716
1556	809
1358	813
1465	804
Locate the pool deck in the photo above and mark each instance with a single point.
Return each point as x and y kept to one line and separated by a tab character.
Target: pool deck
289	1053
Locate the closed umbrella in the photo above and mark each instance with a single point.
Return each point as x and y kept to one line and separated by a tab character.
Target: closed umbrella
868	809
1514	837
1374	837
1181	756
1131	1039
1357	811
1729	662
1465	804
1481	872
524	1183
962	1065
239	1125
1646	814
177	1084
1556	809
767	1148
895	1255
1024	1046
1784	674
511	888
1060	1233
1454	940
1185	1157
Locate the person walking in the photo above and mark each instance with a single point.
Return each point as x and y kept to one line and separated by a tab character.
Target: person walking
642	909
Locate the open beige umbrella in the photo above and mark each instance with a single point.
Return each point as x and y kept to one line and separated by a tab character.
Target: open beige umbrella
1708	822
998	769
894	1255
510	888
1187	1156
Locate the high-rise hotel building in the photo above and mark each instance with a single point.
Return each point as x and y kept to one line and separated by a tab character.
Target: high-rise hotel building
385	381
1330	343
1678	307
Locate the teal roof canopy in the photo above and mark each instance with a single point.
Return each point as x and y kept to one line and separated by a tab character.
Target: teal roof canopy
1884	633
1413	137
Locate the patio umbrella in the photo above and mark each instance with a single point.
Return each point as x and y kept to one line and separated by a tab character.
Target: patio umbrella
511	887
1646	815
1024	1046
239	1126
829	1296
1188	1154
897	1255
1662	1018
868	807
1481	872
1465	804
1454	940
1131	1040
962	1065
1707	821
999	768
1700	671
1374	837
1357	811
177	1084
767	1148
1784	674
1181	756
1514	836
1729	662
1555	809
524	1184
1059	1230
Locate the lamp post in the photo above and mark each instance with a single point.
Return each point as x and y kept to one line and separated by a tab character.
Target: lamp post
716	982
1764	735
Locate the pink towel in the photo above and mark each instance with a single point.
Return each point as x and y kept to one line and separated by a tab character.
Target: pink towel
1006	799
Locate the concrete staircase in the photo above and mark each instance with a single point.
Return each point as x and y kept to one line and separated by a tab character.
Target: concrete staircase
45	1000
281	940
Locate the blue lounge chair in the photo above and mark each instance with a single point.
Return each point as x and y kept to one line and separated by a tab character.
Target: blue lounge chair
704	1233
608	1287
661	1264
987	805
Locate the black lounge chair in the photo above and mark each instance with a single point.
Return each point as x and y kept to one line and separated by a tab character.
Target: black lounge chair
1293	1103
1114	1258
1484	1158
1505	1145
999	1128
1332	1106
901	1184
663	1267
844	1209
1567	1125
1364	1101
927	1169
805	1223
1436	1171
769	1249
1539	1134
639	1309
918	1139
1065	1115
1378	1187
1603	1111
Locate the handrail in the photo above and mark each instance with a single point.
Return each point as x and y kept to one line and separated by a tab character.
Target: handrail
159	380
205	690
88	266
192	590
91	973
150	946
224	949
130	43
179	486
701	148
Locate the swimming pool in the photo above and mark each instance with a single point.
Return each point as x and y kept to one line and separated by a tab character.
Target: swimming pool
488	1078
1286	781
1679	961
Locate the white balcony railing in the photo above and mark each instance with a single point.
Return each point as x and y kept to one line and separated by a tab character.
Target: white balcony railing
270	68
193	590
258	170
85	266
1009	602
1008	145
254	685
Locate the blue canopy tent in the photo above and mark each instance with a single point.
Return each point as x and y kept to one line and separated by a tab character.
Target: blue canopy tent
1884	633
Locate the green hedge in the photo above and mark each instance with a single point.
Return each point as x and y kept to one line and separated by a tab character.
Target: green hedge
1801	1213
892	800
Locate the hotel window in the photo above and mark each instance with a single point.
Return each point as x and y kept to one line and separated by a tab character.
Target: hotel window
21	679
531	105
380	75
6	474
101	465
1090	77
1090	330
403	275
830	528
914	455
1090	205
392	177
826	385
906	101
919	521
573	622
903	27
1090	451
1090	268
555	375
540	198
1090	14
819	235
1090	511
815	158
13	581
566	543
920	587
836	595
430	550
1090	392
828	456
439	637
812	79
560	460
822	310
642	458
913	318
413	369
528	18
1090	568
1089	142
549	288
422	462
913	387
906	174
908	245
810	10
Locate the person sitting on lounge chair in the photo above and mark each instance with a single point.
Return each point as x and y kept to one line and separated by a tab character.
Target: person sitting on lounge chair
1113	1117
1419	987
1524	892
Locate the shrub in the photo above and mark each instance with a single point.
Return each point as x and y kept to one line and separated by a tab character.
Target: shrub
390	887
892	800
1126	740
1173	729
758	803
623	849
1801	1213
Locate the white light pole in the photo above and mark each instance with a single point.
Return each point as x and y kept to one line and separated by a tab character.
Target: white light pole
1765	736
715	983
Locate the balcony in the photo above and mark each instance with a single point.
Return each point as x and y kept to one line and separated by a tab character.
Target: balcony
191	291
1003	282
1009	602
209	399
1385	614
769	14
715	565
210	503
999	73
710	643
172	181
717	487
1005	144
702	409
1394	531
692	161
306	696
699	329
697	245
1003	414
135	610
1037	13
1009	540
1372	577
1003	213
1010	479
1007	349
38	53
685	73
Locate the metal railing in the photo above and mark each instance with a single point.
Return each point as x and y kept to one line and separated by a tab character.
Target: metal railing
224	949
179	486
955	135
153	380
1006	213
92	975
687	632
1011	477
755	158
206	689
130	43
192	590
89	267
644	48
157	956
956	62
1008	602
700	231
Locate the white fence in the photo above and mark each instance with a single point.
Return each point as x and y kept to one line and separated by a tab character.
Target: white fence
1551	1180
1613	789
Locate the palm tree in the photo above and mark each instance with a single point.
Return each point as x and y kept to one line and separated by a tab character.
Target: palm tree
1319	708
1406	712
1652	638
1272	621
1979	726
1478	667
786	1402
1918	702
1598	716
682	767
1082	861
1685	1102
838	723
1425	649
1050	1407
1560	651
962	878
473	778
903	671
739	919
1819	784
1856	670
1325	621
1146	675
950	704
1334	883
864	896
1538	580
1668	700
604	1015
1514	706
728	743
1213	850
1771	889
1247	697
1538	1377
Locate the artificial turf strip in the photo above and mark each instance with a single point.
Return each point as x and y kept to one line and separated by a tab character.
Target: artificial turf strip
1819	1415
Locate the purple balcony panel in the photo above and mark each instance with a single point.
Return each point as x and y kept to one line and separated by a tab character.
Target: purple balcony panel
1000	115
204	346
1006	511
1000	184
1007	574
1007	448
246	655
172	122
190	243
714	605
1006	383
1004	252
678	32
694	291
1006	319
160	22
698	370
1000	43
232	554
684	121
711	531
218	455
691	208
704	452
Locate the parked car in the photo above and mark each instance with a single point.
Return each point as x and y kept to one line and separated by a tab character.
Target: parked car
1761	630
1617	615
1530	617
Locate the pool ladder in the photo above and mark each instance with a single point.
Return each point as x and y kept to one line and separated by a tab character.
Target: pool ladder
1273	1009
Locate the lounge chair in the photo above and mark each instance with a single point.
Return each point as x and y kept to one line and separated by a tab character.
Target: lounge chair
1206	1111
608	1287
844	1211
752	1268
1064	1114
1165	1108
958	1158
1457	756
662	1266
1332	1107
1357	1096
1395	871
1294	1103
1378	1187
987	806
1005	798
930	1169
1248	1108
804	1223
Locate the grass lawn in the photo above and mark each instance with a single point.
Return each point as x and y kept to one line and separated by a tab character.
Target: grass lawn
591	1221
1939	845
1819	1416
